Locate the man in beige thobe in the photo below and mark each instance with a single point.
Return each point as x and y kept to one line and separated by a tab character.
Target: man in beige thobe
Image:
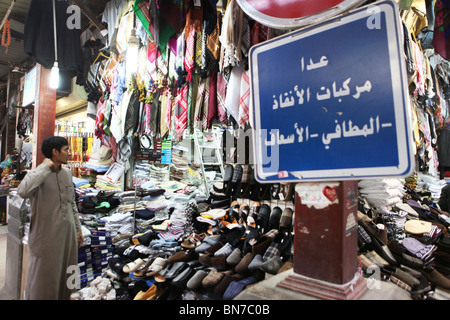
55	230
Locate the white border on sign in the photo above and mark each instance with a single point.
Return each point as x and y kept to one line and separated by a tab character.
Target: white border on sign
398	70
284	23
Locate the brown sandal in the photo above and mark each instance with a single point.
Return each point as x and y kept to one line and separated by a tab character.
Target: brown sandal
193	241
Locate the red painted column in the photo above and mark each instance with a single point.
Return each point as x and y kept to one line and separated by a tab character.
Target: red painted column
325	243
44	112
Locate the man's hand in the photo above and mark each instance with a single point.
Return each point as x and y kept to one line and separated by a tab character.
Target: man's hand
49	163
80	239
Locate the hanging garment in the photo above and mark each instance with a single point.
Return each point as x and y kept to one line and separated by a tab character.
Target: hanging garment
148	108
192	100
39	39
180	111
194	18
110	16
52	239
416	17
160	23
99	119
181	48
112	143
212	102
420	78
246	36
244	99
441	41
211	44
140	119
233	92
118	115
210	15
91	111
221	96
107	118
190	54
91	50
155	115
170	105
260	33
444	148
198	61
172	59
164	104
201	104
124	151
118	85
410	67
141	33
124	32
231	35
132	115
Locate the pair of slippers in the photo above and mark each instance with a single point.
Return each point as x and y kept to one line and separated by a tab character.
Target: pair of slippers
232	179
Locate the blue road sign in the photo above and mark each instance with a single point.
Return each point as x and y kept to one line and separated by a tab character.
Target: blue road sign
330	102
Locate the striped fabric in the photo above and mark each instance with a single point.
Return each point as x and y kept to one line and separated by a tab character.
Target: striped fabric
246	36
148	108
172	232
201	105
221	94
399	283
244	100
190	54
169	111
180	110
198	50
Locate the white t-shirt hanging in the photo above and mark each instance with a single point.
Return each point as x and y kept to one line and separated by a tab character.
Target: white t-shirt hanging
110	14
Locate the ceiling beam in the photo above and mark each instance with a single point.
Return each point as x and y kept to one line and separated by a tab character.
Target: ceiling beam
98	3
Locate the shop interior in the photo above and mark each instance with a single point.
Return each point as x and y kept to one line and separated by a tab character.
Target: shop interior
153	101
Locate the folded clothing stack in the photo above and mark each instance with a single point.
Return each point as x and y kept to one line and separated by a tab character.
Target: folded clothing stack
117	221
100	159
383	194
420	250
